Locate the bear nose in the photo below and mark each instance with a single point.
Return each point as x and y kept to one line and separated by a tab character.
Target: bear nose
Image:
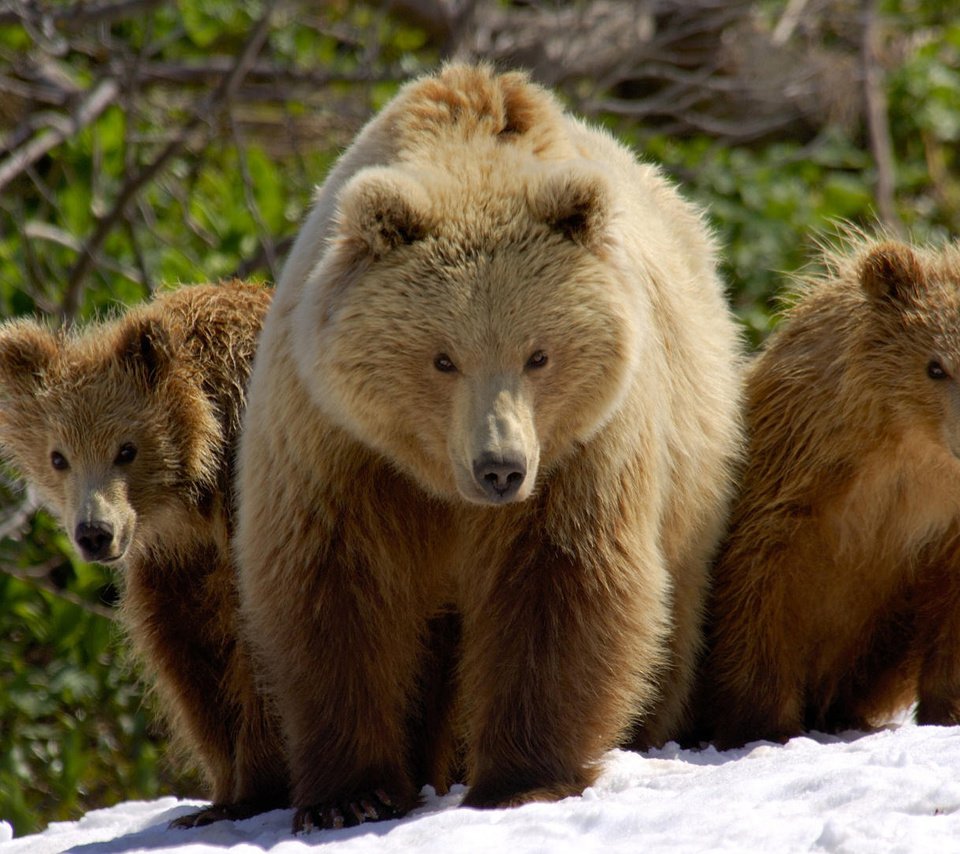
94	539
499	477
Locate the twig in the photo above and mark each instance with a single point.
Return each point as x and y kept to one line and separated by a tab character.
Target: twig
200	73
210	105
877	121
259	259
39	576
102	95
36	230
78	14
34	578
945	187
788	22
264	238
18	517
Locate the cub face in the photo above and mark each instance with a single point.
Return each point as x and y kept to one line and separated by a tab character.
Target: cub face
476	345
915	306
94	423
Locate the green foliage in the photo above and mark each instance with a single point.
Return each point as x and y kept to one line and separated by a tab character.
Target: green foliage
209	21
78	731
765	204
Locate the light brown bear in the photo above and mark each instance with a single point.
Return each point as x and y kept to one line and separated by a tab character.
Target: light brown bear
499	377
837	593
127	429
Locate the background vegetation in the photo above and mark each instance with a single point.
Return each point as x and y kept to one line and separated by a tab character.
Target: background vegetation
146	142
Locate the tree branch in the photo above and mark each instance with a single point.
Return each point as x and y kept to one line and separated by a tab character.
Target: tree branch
263	234
77	14
100	97
209	106
39	577
877	121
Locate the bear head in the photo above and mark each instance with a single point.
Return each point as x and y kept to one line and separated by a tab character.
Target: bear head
913	344
109	427
472	328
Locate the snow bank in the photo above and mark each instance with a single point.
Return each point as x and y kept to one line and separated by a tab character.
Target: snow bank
894	790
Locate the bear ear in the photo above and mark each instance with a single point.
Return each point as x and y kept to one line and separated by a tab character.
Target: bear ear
145	349
574	204
27	350
892	272
382	209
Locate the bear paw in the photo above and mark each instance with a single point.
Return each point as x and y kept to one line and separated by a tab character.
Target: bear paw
373	806
219	812
938	711
493	797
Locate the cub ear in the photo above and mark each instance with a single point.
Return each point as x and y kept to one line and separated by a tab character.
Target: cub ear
574	203
145	349
892	272
27	350
381	209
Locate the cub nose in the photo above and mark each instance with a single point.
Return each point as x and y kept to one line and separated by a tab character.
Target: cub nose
499	477
94	539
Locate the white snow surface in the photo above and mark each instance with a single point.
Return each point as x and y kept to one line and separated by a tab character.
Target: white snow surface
896	790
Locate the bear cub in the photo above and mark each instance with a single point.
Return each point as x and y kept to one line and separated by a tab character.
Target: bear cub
127	429
836	600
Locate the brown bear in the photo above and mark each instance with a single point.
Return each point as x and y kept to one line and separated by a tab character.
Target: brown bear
499	379
127	428
837	593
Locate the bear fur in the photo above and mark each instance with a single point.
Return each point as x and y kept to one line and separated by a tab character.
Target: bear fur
127	429
499	379
837	593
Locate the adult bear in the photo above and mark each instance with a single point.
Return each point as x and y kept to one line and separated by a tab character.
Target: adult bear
499	378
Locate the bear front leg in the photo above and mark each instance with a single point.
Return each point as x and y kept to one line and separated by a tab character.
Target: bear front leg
560	652
174	626
938	626
337	642
753	676
261	776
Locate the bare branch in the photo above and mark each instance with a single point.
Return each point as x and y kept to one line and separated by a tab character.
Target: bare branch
39	577
214	67
78	14
877	120
263	234
788	22
100	97
18	516
37	230
209	106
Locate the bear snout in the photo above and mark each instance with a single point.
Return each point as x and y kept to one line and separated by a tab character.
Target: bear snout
94	539
499	477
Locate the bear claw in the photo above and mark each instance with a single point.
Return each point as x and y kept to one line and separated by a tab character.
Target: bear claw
373	806
219	812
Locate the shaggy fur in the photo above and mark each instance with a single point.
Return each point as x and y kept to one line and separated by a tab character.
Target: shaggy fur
128	429
499	378
837	597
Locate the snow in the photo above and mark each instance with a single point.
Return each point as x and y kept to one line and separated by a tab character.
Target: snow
896	790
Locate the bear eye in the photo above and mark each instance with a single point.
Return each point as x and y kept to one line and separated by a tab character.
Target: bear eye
443	363
537	360
127	454
59	461
936	371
